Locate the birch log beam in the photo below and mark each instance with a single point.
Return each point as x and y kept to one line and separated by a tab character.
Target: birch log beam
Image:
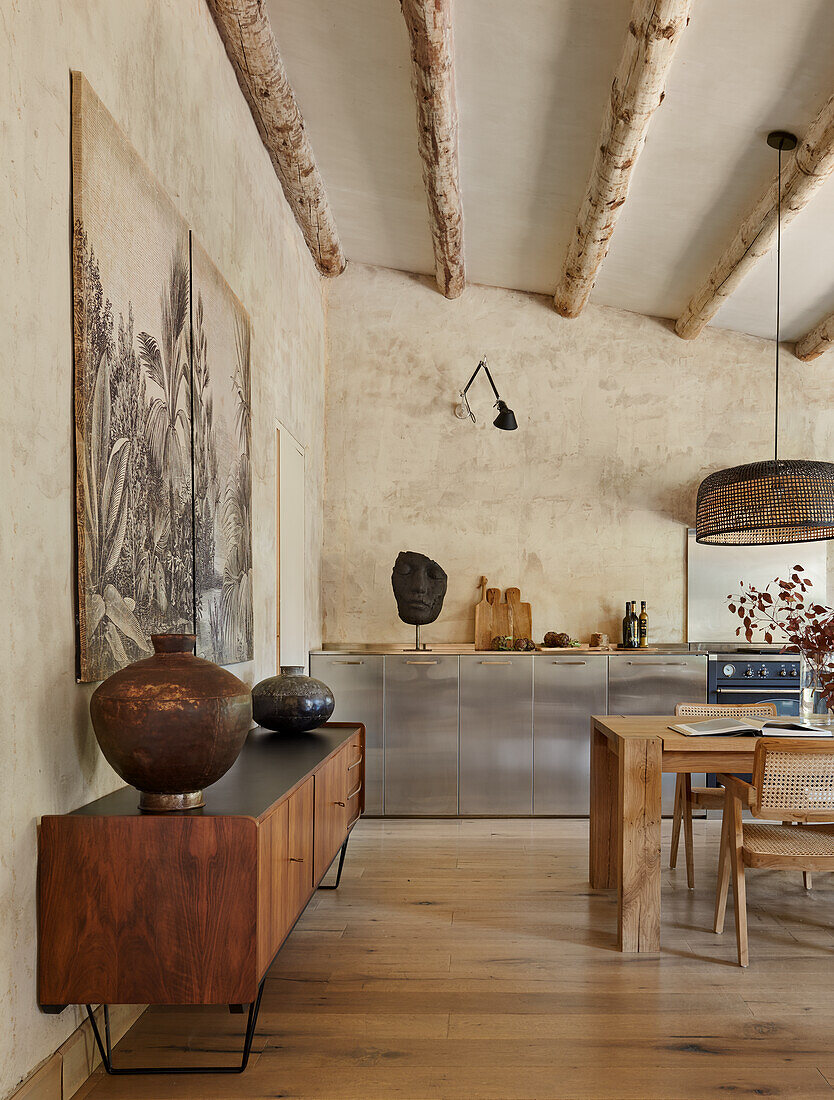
429	24
816	342
803	176
250	43
654	32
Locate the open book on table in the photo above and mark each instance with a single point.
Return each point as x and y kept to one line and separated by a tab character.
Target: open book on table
772	727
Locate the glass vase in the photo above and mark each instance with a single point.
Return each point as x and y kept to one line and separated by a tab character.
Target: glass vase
815	669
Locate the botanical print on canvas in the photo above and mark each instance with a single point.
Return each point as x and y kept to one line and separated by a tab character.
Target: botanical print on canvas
222	470
163	504
132	398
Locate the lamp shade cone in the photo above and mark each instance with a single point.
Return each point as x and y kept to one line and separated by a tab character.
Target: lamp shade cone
505	419
765	503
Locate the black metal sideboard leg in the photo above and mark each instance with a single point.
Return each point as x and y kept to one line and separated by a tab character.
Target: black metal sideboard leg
105	1048
335	885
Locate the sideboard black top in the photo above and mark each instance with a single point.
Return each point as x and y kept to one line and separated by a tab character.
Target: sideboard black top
269	765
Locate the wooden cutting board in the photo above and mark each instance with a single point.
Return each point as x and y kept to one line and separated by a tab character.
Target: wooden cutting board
521	615
483	618
495	617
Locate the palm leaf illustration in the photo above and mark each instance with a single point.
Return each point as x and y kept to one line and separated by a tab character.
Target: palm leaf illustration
104	478
236	593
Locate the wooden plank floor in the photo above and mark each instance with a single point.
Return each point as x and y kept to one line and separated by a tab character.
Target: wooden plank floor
470	960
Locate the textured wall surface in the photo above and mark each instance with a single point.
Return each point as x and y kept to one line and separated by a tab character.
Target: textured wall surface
161	70
586	505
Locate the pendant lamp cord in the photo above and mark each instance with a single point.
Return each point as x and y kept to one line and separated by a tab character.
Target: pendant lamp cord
778	305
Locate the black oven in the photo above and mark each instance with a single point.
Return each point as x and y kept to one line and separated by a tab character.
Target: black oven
750	677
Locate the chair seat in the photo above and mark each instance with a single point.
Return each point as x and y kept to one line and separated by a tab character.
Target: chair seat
708	798
772	845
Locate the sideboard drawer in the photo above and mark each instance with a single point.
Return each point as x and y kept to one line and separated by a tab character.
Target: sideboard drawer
331	811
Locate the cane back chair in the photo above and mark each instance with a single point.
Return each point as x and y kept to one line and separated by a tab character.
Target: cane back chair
793	783
688	797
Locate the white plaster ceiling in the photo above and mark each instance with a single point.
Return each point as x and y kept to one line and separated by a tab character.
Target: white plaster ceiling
532	81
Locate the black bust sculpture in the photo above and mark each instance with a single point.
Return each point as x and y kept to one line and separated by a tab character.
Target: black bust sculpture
419	586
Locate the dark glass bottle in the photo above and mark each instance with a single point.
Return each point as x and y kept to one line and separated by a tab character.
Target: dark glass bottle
643	626
627	625
634	627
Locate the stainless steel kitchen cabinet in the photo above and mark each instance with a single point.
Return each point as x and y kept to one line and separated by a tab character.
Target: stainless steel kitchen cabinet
356	681
421	734
655	684
566	691
496	734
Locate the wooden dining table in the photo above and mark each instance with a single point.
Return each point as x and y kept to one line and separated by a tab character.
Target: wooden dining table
628	757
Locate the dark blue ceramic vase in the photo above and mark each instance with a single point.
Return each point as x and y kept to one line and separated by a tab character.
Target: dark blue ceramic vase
291	702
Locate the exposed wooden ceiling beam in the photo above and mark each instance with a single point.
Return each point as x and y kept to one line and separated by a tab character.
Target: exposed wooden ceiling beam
654	31
816	342
802	177
429	25
250	43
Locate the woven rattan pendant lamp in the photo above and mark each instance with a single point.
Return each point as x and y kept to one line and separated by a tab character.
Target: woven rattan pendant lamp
778	500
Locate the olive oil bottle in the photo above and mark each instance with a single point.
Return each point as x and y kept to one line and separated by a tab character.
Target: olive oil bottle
643	626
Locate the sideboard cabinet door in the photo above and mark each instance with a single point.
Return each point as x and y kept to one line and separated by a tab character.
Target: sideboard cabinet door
273	919
331	811
356	683
299	851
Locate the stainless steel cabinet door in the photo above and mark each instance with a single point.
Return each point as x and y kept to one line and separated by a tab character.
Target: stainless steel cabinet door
655	685
496	734
421	734
566	692
356	682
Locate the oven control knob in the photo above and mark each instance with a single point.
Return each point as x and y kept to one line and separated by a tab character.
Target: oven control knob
763	671
748	671
783	671
728	670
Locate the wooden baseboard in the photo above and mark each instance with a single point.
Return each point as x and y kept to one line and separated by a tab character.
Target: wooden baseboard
62	1075
44	1084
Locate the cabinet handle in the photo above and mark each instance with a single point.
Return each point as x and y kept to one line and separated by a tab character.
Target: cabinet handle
356	765
658	664
338	803
422	662
573	662
295	859
353	794
347	662
495	662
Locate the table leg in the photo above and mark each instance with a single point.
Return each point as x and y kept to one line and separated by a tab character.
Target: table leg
638	802
604	834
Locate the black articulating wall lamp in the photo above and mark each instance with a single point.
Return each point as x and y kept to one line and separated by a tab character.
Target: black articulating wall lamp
505	420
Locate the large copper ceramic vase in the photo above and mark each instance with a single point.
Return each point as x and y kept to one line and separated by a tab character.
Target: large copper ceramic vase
172	724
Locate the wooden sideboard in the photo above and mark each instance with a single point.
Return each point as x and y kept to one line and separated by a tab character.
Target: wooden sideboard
192	907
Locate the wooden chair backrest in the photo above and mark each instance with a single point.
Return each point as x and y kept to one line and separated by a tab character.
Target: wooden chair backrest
726	710
794	779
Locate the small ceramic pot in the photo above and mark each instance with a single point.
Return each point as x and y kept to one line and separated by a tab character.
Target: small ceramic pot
291	702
